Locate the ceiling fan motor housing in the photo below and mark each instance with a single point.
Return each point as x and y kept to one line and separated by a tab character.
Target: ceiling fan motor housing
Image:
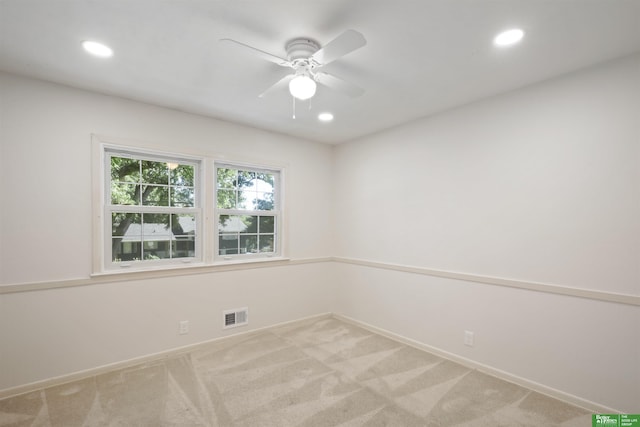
299	50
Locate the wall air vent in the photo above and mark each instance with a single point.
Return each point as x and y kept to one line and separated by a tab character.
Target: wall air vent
236	317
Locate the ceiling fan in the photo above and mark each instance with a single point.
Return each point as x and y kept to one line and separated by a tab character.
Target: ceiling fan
305	57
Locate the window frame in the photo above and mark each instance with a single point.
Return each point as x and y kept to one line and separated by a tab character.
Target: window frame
205	184
277	213
103	259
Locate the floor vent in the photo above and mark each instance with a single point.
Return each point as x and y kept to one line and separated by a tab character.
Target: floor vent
233	318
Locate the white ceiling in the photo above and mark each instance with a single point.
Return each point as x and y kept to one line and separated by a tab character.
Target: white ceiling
421	57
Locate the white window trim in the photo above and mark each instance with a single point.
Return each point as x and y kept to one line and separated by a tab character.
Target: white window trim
207	189
278	214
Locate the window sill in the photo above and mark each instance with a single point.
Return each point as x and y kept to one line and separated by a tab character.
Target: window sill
247	260
132	269
191	268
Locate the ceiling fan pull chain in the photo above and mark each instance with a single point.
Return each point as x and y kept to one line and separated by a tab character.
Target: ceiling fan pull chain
294	107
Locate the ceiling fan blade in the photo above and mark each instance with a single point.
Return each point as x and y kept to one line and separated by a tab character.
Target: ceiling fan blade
339	85
261	53
279	85
346	42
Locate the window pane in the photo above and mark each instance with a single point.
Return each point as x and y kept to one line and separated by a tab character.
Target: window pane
245	199
226	178
263	201
125	194
237	224
155	226
183	225
183	228
156	235
157	249
229	224
264	182
182	197
153	195
126	229
266	243
155	172
125	170
226	199
266	224
181	175
251	223
126	224
246	180
184	247
125	250
228	244
248	244
223	223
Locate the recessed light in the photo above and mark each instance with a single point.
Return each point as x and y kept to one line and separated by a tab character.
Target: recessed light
97	49
325	117
509	37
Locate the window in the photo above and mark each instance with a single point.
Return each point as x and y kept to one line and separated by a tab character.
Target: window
152	209
156	210
247	212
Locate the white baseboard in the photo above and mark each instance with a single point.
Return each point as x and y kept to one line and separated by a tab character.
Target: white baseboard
588	405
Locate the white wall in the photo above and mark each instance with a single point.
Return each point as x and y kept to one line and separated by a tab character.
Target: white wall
45	225
538	185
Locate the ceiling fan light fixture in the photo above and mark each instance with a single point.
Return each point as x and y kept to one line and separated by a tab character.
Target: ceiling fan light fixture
302	87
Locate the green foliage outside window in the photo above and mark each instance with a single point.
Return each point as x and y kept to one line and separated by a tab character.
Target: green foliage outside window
151	183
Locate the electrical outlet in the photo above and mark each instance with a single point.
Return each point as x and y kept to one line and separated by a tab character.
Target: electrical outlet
183	327
468	338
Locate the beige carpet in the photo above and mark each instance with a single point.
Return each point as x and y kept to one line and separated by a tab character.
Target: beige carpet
321	372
